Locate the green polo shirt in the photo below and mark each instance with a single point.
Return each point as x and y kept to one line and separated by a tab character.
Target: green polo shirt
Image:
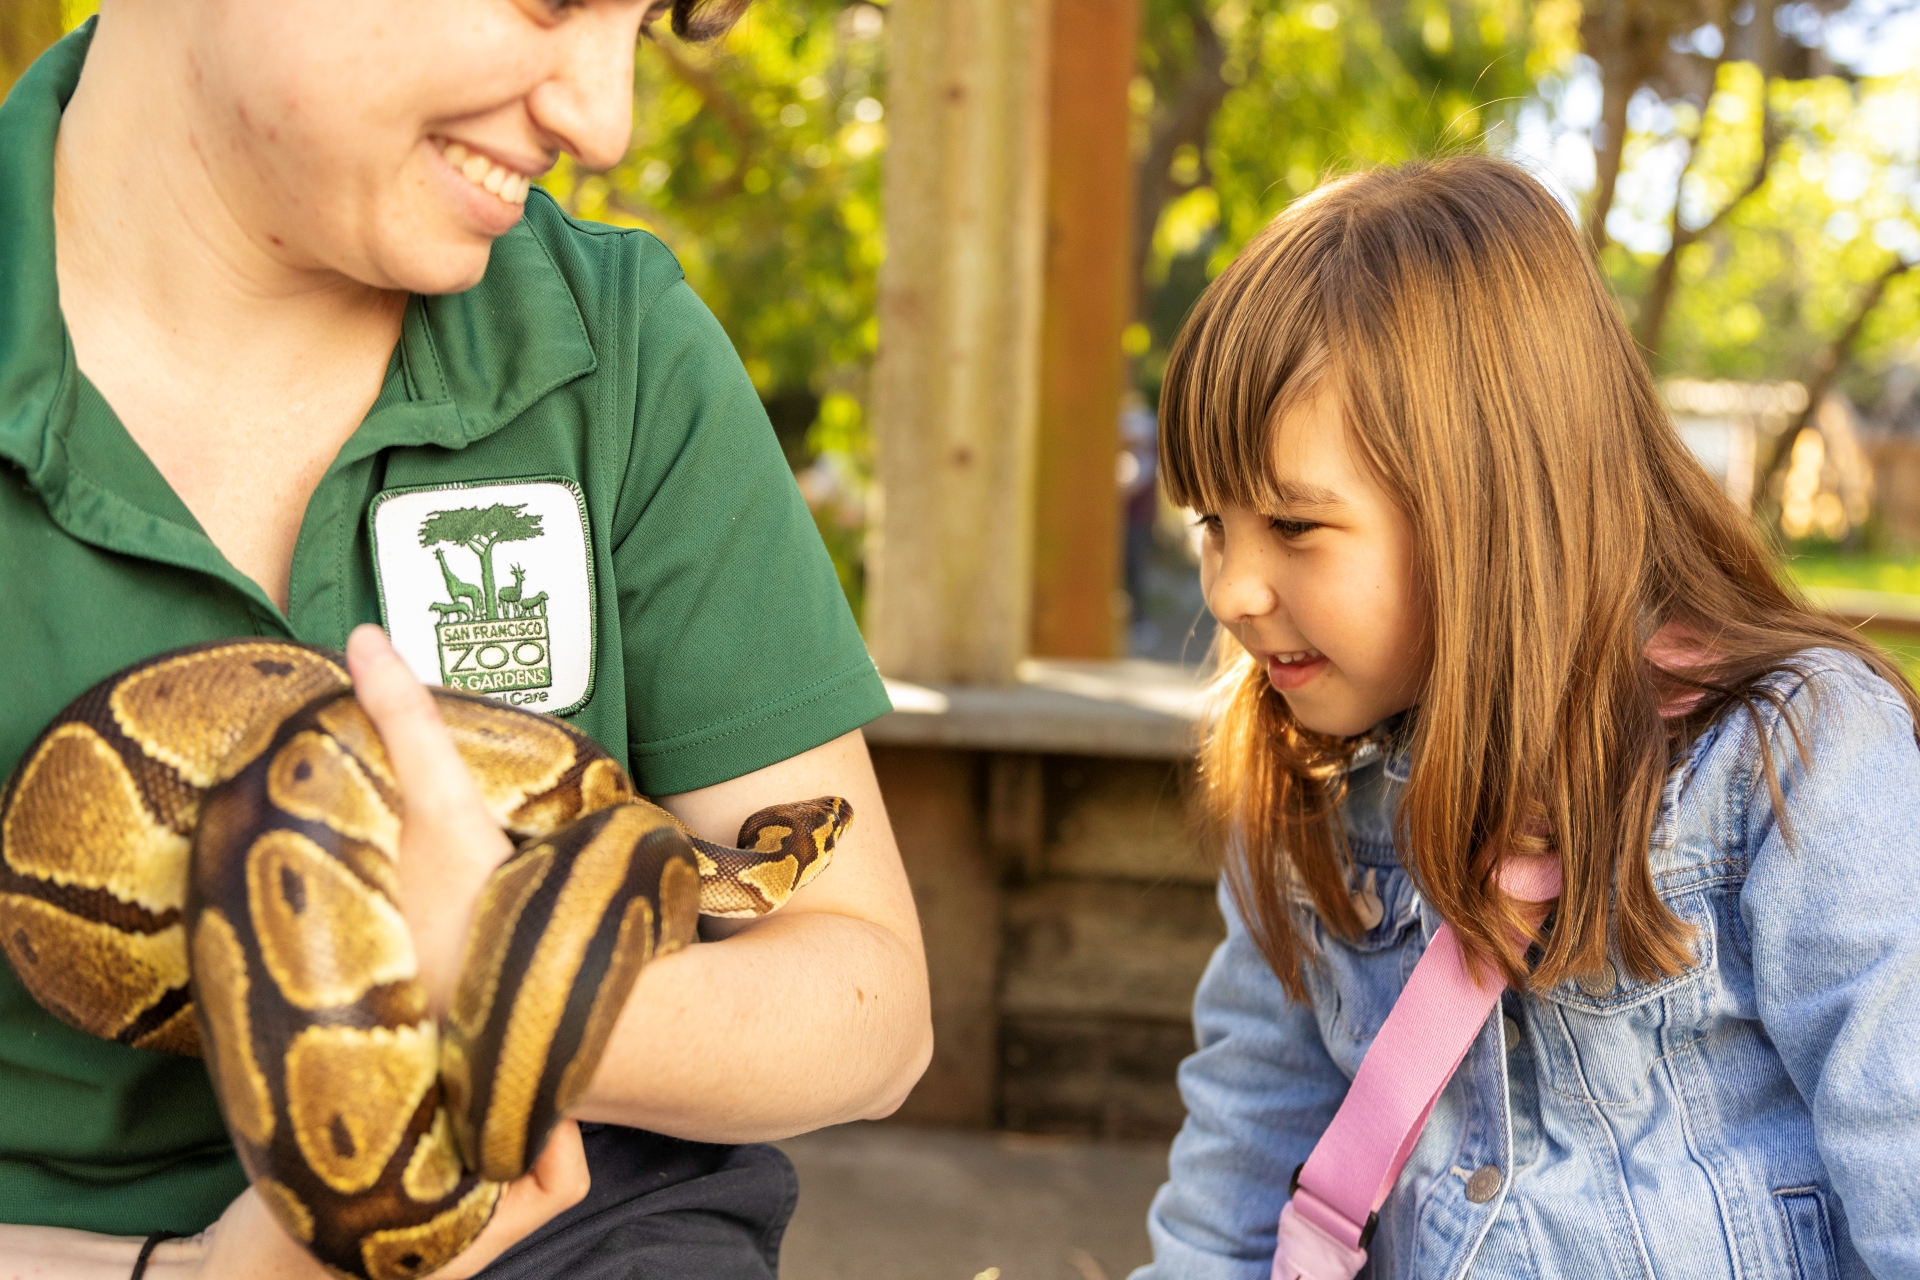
567	495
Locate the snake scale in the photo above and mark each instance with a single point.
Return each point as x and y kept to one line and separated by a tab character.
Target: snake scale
198	854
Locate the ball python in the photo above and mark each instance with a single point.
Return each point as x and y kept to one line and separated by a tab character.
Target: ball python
198	856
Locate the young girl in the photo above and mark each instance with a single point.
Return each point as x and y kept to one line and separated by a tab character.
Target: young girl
1477	602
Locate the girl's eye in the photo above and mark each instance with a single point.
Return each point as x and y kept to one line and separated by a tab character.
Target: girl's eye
1211	524
1291	528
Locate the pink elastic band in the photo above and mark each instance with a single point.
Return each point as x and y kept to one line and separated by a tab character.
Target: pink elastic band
1339	1190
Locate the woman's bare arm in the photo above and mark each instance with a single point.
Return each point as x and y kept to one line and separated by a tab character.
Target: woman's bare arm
815	1015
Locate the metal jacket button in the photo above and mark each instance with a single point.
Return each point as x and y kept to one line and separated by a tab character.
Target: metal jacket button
1512	1029
1600	982
1484	1185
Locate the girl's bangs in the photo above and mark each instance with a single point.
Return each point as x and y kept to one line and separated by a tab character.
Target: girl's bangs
1254	346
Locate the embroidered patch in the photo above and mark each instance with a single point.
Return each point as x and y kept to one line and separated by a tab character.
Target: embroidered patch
489	588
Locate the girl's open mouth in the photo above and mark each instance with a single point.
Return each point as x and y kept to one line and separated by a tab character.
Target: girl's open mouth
1288	671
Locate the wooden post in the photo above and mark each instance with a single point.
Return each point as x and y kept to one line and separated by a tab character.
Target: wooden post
1089	298
955	382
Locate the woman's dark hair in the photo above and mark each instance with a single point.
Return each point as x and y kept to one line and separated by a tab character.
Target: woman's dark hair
705	19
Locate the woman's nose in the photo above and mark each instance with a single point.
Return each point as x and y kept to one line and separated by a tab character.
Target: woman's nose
587	103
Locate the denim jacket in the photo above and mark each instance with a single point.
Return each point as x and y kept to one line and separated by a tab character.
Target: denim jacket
1755	1116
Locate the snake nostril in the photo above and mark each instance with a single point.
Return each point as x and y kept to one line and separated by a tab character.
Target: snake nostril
302	771
343	1144
411	1261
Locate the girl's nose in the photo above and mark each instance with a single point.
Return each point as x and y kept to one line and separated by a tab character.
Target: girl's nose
1239	588
586	105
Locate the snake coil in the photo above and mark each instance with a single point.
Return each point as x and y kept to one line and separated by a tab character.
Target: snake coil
199	854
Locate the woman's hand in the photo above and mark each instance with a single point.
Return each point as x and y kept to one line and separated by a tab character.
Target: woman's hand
247	1244
449	844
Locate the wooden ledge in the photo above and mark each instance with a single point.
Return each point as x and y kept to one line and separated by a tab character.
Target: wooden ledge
1133	708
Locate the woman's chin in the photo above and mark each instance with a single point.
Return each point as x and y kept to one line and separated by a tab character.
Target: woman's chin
447	264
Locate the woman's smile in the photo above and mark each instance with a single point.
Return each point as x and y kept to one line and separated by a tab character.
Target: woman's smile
492	194
483	171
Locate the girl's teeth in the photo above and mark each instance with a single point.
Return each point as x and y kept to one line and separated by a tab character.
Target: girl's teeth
484	173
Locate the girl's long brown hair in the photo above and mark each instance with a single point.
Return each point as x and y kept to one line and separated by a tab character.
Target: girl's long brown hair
1559	523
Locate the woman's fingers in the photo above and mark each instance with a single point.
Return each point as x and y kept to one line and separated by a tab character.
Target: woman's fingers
433	779
557	1181
449	844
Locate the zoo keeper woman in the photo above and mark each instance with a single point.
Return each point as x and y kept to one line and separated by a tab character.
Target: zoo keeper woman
289	344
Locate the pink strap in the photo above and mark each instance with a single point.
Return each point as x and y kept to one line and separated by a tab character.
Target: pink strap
1328	1223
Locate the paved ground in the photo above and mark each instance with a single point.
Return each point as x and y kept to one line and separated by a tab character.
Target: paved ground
887	1202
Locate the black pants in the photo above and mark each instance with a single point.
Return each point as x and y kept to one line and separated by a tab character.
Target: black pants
663	1209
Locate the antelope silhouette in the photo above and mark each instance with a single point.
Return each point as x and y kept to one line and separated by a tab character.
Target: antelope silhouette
510	596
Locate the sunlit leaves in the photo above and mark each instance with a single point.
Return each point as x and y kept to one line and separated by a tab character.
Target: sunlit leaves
1842	201
758	163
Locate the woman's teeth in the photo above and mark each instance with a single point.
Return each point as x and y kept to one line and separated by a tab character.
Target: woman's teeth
1305	655
482	172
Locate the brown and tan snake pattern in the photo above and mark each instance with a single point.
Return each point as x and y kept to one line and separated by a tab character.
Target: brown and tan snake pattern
198	855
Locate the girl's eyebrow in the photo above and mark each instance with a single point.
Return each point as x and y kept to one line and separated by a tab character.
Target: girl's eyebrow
1298	493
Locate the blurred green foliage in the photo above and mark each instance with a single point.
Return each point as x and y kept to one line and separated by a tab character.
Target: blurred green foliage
757	161
1762	295
1897	573
1317	87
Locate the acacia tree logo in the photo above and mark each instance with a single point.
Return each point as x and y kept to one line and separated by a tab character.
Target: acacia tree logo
480	530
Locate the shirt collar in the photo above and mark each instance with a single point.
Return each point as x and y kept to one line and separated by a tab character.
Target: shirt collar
36	358
473	361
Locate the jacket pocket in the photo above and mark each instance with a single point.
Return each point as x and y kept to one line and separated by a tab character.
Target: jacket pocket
1809	1235
1613	991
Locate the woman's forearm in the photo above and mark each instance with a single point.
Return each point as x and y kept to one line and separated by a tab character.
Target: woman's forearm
797	1022
57	1253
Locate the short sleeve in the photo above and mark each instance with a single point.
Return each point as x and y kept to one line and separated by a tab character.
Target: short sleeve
740	650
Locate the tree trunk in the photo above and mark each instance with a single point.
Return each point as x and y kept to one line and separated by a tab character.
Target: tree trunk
1189	114
1653	308
1620	75
1628	38
27	27
1823	374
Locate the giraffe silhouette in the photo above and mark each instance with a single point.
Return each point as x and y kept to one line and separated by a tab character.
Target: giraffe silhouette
458	590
